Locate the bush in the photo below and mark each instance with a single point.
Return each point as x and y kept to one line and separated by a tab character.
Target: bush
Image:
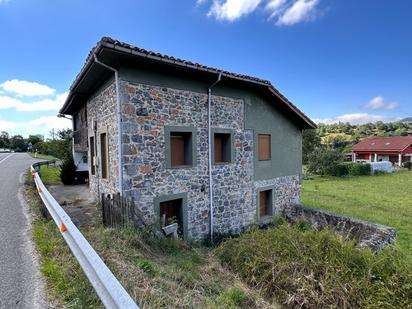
68	171
325	161
408	165
360	169
318	269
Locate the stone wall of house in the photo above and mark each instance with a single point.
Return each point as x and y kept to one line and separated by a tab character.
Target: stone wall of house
102	109
146	111
286	191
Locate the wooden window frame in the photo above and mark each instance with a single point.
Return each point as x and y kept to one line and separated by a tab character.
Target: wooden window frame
92	147
269	146
270	192
171	197
190	147
230	151
106	151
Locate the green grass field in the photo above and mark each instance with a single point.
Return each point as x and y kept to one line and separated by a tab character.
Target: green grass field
384	199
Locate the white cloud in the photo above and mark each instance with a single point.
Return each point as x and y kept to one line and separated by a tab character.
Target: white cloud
55	103
379	103
300	10
355	118
25	88
285	12
232	9
42	125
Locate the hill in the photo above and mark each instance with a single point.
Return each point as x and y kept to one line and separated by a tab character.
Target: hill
407	120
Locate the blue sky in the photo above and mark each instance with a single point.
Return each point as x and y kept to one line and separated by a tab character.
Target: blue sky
336	60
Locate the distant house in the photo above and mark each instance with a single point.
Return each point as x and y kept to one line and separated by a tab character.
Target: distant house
394	149
210	149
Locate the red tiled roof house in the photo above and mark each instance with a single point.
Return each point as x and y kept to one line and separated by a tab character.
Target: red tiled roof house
397	150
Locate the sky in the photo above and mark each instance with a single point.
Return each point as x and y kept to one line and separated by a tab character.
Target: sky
336	60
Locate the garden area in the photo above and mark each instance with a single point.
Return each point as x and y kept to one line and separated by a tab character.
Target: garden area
383	199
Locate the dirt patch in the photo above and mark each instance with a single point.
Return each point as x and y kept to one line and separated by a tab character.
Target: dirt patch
77	201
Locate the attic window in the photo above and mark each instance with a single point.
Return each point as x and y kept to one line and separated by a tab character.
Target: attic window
387	143
372	144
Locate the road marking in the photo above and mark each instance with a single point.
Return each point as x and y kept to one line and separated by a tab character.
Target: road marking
4	159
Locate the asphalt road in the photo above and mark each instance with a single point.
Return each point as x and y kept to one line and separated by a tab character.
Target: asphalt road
20	283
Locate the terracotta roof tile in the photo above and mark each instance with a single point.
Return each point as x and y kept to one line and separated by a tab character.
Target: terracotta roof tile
384	143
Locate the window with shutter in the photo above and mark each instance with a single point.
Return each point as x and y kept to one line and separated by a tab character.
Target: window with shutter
264	147
104	155
222	147
180	149
92	155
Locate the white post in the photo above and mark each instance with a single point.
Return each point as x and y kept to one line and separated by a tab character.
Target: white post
376	157
370	157
400	160
353	157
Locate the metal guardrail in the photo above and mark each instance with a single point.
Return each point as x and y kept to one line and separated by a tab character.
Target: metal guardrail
108	288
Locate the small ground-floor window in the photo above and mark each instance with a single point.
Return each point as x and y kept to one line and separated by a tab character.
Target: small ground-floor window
172	212
265	203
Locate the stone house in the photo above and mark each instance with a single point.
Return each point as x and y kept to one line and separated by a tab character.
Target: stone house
149	126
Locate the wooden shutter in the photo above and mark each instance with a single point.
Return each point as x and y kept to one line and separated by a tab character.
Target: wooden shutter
92	154
177	150
103	154
218	148
264	147
263	203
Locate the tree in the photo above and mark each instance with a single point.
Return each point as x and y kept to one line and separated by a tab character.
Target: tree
35	140
4	140
310	140
17	143
325	161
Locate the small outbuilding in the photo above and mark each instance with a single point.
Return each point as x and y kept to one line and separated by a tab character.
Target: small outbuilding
397	150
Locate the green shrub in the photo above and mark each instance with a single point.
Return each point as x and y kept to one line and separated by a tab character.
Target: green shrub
408	165
341	169
360	169
68	171
325	161
312	269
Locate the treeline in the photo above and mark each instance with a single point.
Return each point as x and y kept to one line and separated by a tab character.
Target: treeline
58	146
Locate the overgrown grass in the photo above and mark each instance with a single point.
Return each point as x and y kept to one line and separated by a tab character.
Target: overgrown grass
50	175
384	199
157	273
309	269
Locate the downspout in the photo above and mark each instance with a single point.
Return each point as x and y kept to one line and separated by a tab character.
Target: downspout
119	122
209	131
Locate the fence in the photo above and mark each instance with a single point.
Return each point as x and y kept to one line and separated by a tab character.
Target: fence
108	288
121	212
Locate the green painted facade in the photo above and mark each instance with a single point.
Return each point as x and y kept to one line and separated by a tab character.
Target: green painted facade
261	116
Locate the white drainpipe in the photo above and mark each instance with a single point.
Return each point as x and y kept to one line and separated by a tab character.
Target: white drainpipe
209	131
119	122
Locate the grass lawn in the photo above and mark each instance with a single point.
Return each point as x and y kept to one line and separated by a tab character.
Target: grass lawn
50	175
44	157
384	199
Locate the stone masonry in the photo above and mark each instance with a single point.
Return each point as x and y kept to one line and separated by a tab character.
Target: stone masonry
102	109
146	111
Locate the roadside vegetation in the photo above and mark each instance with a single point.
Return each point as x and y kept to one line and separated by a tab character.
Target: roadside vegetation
157	273
302	268
383	199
